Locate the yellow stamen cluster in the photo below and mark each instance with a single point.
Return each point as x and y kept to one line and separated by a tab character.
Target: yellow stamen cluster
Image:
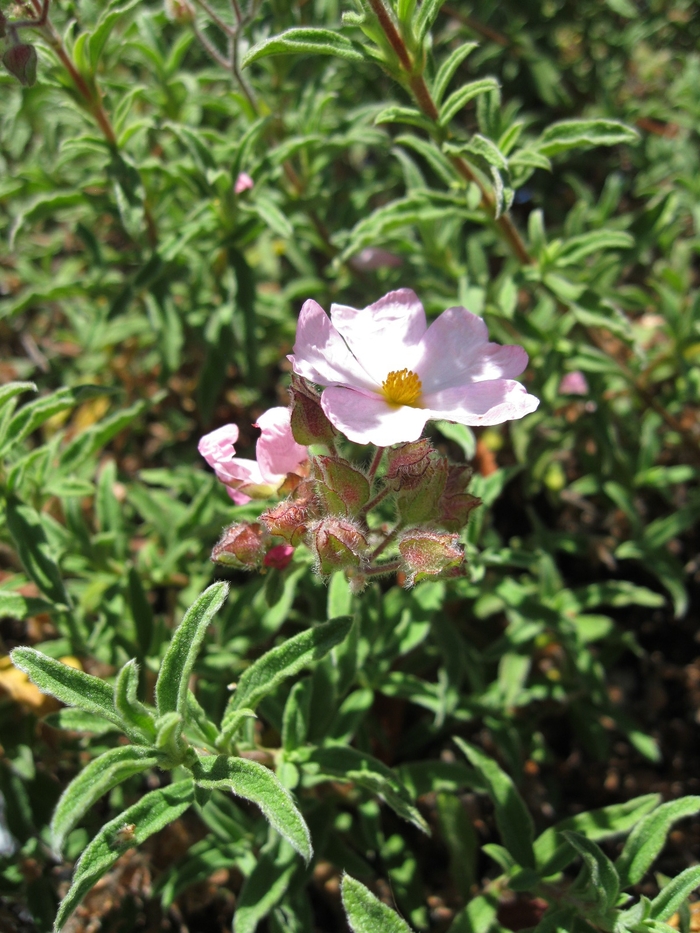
402	387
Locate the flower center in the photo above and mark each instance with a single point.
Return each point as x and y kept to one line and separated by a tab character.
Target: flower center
402	387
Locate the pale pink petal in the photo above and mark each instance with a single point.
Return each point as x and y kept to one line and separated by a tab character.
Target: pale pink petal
369	419
277	452
456	350
491	402
243	183
239	470
385	336
573	383
217	446
320	353
238	497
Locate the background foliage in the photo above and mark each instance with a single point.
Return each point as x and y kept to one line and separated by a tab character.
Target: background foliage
149	303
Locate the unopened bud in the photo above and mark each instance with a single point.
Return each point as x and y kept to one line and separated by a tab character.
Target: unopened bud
418	496
428	553
179	11
342	488
408	460
456	504
20	60
243	183
279	556
338	544
242	546
309	423
290	519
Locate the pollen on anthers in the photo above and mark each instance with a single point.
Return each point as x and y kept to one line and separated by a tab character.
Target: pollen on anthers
402	387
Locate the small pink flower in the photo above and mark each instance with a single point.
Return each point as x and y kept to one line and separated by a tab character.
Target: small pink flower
573	383
277	454
243	183
386	372
279	556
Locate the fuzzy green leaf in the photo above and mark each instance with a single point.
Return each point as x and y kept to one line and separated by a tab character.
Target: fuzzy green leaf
512	816
584	134
670	898
96	779
366	913
304	41
446	71
603	878
70	686
24	524
427	13
286	660
463	95
152	812
648	837
264	888
176	667
128	704
252	781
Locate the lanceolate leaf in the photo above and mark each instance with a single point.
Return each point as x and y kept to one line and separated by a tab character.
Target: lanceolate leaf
265	674
670	898
70	686
512	816
463	95
265	887
553	855
127	702
98	777
254	782
584	134
447	69
603	877
24	524
366	913
305	42
154	811
648	837
349	764
171	686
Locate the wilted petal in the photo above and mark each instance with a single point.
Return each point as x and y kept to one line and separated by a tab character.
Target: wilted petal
217	446
491	402
385	335
277	452
320	353
456	350
369	419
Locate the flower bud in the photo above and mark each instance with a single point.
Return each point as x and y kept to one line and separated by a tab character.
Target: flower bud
20	60
243	183
418	495
309	423
290	519
456	503
429	553
408	460
179	11
279	556
242	546
349	488
338	544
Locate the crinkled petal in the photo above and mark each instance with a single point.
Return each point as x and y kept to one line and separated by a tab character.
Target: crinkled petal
384	336
320	353
456	350
369	419
217	446
491	402
277	452
239	470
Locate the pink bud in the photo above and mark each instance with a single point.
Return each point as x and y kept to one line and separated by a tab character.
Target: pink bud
279	556
349	488
242	546
290	519
429	553
20	60
372	258
573	383
338	544
243	183
309	423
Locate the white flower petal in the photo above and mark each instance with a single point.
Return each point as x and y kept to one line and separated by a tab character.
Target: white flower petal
369	419
320	354
491	402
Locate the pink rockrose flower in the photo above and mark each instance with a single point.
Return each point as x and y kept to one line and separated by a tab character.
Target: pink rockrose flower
243	183
277	455
573	383
387	372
